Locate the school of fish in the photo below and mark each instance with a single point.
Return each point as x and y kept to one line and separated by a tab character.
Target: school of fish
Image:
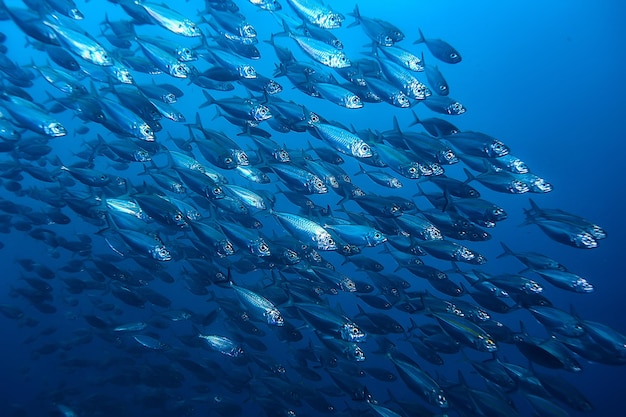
215	247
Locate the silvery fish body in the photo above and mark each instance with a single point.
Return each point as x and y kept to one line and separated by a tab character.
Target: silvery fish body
259	306
317	13
343	140
307	231
81	45
170	19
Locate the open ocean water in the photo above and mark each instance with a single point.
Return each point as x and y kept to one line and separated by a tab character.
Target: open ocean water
545	78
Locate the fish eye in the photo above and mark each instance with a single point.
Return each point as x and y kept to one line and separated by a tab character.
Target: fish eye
377	235
217	190
412	170
453	55
319	183
443	87
178	216
263	247
103	177
228	160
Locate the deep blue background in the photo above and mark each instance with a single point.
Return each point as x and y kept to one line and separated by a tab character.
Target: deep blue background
544	77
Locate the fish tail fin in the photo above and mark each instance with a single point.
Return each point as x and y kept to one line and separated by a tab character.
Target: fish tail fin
421	39
286	31
534	208
396	125
413	326
469	175
507	251
357	16
361	171
455	268
361	312
209	98
447	200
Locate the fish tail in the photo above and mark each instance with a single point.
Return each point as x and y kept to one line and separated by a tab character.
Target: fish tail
421	39
396	125
210	99
507	251
469	175
357	16
361	171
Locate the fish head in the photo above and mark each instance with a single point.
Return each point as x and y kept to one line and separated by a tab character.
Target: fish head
497	213
274	317
361	149
214	192
179	70
419	91
225	248
100	57
325	241
189	29
291	257
539	185
145	132
496	149
186	54
246	71
414	64
375	238
518	166
455	108
336	43
55	129
75	14
351	333
260	248
584	240
518	187
339	60
272	87
486	344
355	353
160	253
330	20
315	185
282	155
352	101
400	100
447	156
169	98
241	157
411	171
123	75
347	249
385	39
261	112
178	218
247	31
532	287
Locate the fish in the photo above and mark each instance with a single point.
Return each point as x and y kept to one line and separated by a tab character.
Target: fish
317	13
169	19
214	255
440	49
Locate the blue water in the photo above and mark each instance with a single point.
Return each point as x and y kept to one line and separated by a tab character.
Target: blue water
545	78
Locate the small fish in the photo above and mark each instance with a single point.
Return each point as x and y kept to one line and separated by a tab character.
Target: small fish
440	49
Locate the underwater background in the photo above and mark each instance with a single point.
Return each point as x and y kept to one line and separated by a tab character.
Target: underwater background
546	78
